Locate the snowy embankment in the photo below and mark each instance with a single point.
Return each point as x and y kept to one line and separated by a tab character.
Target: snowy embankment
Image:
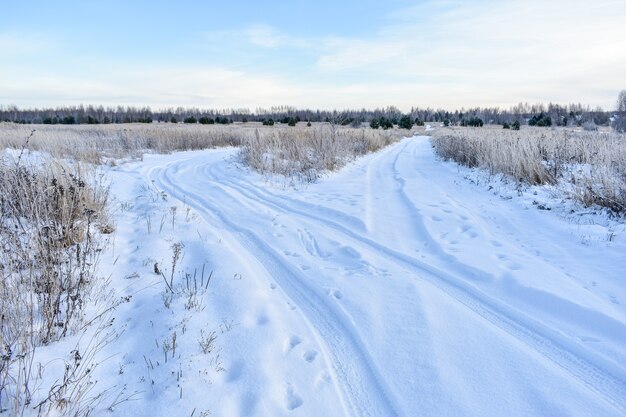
394	287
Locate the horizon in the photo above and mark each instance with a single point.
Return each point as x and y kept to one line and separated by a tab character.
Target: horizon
285	108
322	55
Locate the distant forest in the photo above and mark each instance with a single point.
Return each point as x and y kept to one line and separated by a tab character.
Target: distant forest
524	113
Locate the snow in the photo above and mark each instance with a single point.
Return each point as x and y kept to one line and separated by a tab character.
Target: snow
393	287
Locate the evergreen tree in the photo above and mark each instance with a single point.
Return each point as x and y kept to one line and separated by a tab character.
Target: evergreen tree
405	122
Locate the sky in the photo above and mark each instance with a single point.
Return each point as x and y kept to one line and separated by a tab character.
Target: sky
312	54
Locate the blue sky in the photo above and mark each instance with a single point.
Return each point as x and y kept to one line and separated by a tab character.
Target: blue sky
322	54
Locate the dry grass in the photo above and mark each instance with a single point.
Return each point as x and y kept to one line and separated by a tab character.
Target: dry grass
591	166
51	215
92	143
301	150
306	153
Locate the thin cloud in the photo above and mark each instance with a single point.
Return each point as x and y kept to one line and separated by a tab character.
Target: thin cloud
24	44
440	53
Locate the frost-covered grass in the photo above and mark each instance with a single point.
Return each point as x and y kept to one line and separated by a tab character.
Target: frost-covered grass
52	215
293	149
588	166
93	143
308	152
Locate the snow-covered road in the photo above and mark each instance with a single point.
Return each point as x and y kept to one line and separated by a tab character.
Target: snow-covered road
417	292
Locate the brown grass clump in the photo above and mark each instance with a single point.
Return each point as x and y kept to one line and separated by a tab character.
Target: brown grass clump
591	166
292	151
307	152
93	143
51	215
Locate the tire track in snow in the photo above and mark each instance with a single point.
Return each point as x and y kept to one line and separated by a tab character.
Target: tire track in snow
362	388
599	375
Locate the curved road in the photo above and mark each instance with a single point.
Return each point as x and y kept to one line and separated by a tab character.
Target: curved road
427	295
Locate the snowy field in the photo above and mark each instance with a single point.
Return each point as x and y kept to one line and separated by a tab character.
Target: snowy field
394	287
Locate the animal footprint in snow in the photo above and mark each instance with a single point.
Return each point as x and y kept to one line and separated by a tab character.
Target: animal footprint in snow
262	319
309	355
336	294
291	343
514	266
323	378
292	400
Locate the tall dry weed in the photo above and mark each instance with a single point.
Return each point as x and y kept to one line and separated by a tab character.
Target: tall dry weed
307	152
93	143
589	165
51	217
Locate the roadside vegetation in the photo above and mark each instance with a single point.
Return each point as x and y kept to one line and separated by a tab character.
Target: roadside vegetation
303	150
306	153
589	165
53	216
97	144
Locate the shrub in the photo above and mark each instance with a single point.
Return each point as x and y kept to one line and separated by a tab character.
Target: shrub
375	124
446	122
505	125
405	122
68	120
541	120
472	121
204	120
268	122
515	125
308	124
590	126
190	120
173	120
291	122
385	123
222	120
419	122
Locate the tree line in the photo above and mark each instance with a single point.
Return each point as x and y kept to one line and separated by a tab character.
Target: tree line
387	117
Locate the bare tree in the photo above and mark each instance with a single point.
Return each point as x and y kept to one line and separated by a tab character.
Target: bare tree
621	101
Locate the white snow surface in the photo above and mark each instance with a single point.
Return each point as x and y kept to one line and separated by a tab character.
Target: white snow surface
392	288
